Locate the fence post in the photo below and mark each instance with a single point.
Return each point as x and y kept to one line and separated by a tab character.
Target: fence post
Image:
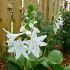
16	16
3	24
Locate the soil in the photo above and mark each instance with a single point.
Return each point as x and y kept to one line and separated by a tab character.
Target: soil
3	65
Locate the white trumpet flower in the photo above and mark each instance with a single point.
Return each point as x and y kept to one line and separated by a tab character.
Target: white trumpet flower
24	31
58	24
11	37
19	49
35	42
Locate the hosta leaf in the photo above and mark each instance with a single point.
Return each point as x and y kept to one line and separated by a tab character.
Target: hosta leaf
56	67
55	57
20	62
12	66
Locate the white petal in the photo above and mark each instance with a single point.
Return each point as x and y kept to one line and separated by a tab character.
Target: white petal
35	53
30	49
11	50
34	35
22	29
18	54
10	35
6	31
41	38
28	32
42	44
35	29
37	49
25	55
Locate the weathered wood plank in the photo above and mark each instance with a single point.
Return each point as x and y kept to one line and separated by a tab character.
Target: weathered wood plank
16	16
26	3
51	16
35	3
3	24
41	6
46	10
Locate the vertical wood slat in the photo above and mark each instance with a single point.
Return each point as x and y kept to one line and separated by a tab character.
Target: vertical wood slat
26	3
51	16
46	10
56	8
16	16
41	6
35	3
3	22
9	14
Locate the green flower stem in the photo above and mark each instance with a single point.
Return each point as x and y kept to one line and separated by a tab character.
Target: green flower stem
25	65
49	38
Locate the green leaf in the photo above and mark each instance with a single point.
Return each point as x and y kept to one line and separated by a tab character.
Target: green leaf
56	67
12	66
67	68
55	57
43	61
28	64
20	62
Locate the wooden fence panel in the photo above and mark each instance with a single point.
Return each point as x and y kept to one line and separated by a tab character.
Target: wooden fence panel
26	3
41	6
46	9
3	24
35	3
51	16
16	16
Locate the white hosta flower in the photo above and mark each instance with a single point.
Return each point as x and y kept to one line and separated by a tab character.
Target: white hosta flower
24	31
11	37
60	21
35	30
28	32
19	49
35	42
31	24
58	24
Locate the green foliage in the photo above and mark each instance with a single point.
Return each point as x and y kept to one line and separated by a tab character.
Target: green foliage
66	30
56	67
55	57
11	62
12	66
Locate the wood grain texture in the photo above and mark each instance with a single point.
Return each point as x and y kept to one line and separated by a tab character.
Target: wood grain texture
3	24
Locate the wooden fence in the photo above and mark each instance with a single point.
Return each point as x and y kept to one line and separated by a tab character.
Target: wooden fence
10	11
